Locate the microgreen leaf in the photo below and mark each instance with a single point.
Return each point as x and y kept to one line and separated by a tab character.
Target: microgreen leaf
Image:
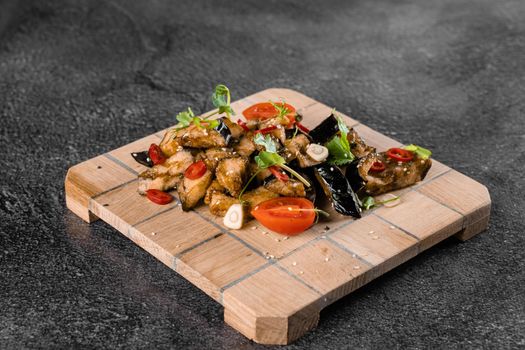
281	109
221	99
420	151
369	202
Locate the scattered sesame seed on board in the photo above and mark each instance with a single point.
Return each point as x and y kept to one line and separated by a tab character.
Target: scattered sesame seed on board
357	267
294	263
392	227
301	272
327	259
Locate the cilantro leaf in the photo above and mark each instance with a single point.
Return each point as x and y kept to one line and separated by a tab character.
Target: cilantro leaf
266	141
184	118
420	151
339	151
267	159
338	146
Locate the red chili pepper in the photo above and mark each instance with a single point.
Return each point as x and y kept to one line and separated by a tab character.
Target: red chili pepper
378	167
159	197
278	173
399	154
266	130
243	125
302	128
156	155
196	170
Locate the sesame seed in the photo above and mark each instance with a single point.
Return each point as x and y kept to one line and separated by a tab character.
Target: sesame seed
371	231
392	227
294	263
285	238
326	259
177	246
277	239
357	267
374	237
353	255
153	233
301	272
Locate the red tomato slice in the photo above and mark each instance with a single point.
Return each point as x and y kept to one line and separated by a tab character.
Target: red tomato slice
278	173
265	110
286	215
155	154
377	167
399	154
195	170
159	197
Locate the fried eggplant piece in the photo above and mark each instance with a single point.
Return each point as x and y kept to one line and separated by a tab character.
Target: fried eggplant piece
296	149
258	195
290	188
396	175
232	174
245	147
192	191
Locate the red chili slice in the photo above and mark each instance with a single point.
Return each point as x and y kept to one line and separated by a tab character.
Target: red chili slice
378	167
266	130
243	125
156	155
196	170
159	197
302	128
399	154
278	173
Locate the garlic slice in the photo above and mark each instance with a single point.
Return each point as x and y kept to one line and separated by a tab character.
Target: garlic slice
317	152
234	217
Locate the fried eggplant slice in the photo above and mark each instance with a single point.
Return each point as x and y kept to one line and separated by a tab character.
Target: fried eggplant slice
338	190
232	173
324	131
290	188
192	191
396	175
296	150
196	137
246	146
179	162
151	180
358	147
258	195
213	156
220	203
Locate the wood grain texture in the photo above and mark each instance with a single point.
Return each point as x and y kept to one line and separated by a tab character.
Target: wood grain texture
272	286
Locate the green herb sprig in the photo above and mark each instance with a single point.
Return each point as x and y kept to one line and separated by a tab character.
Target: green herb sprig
338	146
369	202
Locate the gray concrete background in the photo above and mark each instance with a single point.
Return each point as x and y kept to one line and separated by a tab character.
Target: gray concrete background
79	78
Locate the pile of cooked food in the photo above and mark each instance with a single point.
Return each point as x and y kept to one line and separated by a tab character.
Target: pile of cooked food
270	167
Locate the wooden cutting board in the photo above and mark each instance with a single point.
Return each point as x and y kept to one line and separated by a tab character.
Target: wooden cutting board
273	287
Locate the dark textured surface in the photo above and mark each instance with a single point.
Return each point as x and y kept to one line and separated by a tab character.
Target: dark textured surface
79	78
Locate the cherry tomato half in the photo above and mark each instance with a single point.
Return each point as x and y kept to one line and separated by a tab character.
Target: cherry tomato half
159	197
156	155
196	170
377	167
278	173
399	154
265	110
286	215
